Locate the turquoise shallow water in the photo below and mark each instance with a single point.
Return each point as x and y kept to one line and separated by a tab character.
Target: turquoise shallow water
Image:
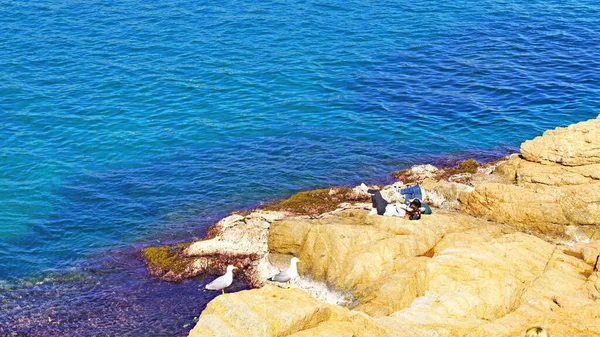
126	123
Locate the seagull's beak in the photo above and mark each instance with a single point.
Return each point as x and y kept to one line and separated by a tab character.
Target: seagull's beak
299	260
235	267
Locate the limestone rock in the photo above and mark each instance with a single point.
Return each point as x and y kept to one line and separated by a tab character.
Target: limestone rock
542	207
352	250
444	194
406	282
444	188
416	174
557	175
590	252
516	204
524	171
239	240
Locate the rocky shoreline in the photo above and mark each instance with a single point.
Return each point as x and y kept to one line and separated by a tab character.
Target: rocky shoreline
510	244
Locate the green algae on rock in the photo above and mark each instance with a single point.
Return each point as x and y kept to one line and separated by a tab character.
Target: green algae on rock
167	262
316	201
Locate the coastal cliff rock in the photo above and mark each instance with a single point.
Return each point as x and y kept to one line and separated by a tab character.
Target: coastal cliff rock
555	183
448	274
272	311
239	240
525	253
443	187
353	251
575	145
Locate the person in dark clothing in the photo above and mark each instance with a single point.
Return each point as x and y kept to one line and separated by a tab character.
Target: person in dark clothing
378	201
415	193
411	210
414	210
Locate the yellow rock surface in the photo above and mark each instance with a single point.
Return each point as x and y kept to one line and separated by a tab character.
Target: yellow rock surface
574	145
556	182
448	274
272	311
352	250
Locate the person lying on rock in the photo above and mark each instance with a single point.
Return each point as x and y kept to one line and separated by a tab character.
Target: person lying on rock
412	193
409	193
381	206
414	210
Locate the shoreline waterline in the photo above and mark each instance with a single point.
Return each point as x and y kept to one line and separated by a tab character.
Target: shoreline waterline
102	285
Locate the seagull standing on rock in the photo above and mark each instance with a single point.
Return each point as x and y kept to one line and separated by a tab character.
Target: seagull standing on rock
222	282
288	274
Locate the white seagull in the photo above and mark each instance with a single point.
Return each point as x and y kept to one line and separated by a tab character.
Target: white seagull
222	282
288	274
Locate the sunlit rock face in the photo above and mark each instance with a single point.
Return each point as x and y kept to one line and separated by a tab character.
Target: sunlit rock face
448	274
525	253
553	184
575	145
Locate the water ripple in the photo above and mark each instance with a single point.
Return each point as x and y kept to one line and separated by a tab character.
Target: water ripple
134	122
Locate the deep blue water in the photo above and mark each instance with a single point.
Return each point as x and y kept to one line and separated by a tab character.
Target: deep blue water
127	123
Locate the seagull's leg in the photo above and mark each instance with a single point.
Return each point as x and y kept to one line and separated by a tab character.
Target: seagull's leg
223	292
288	286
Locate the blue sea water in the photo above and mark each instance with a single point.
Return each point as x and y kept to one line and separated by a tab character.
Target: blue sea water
125	124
